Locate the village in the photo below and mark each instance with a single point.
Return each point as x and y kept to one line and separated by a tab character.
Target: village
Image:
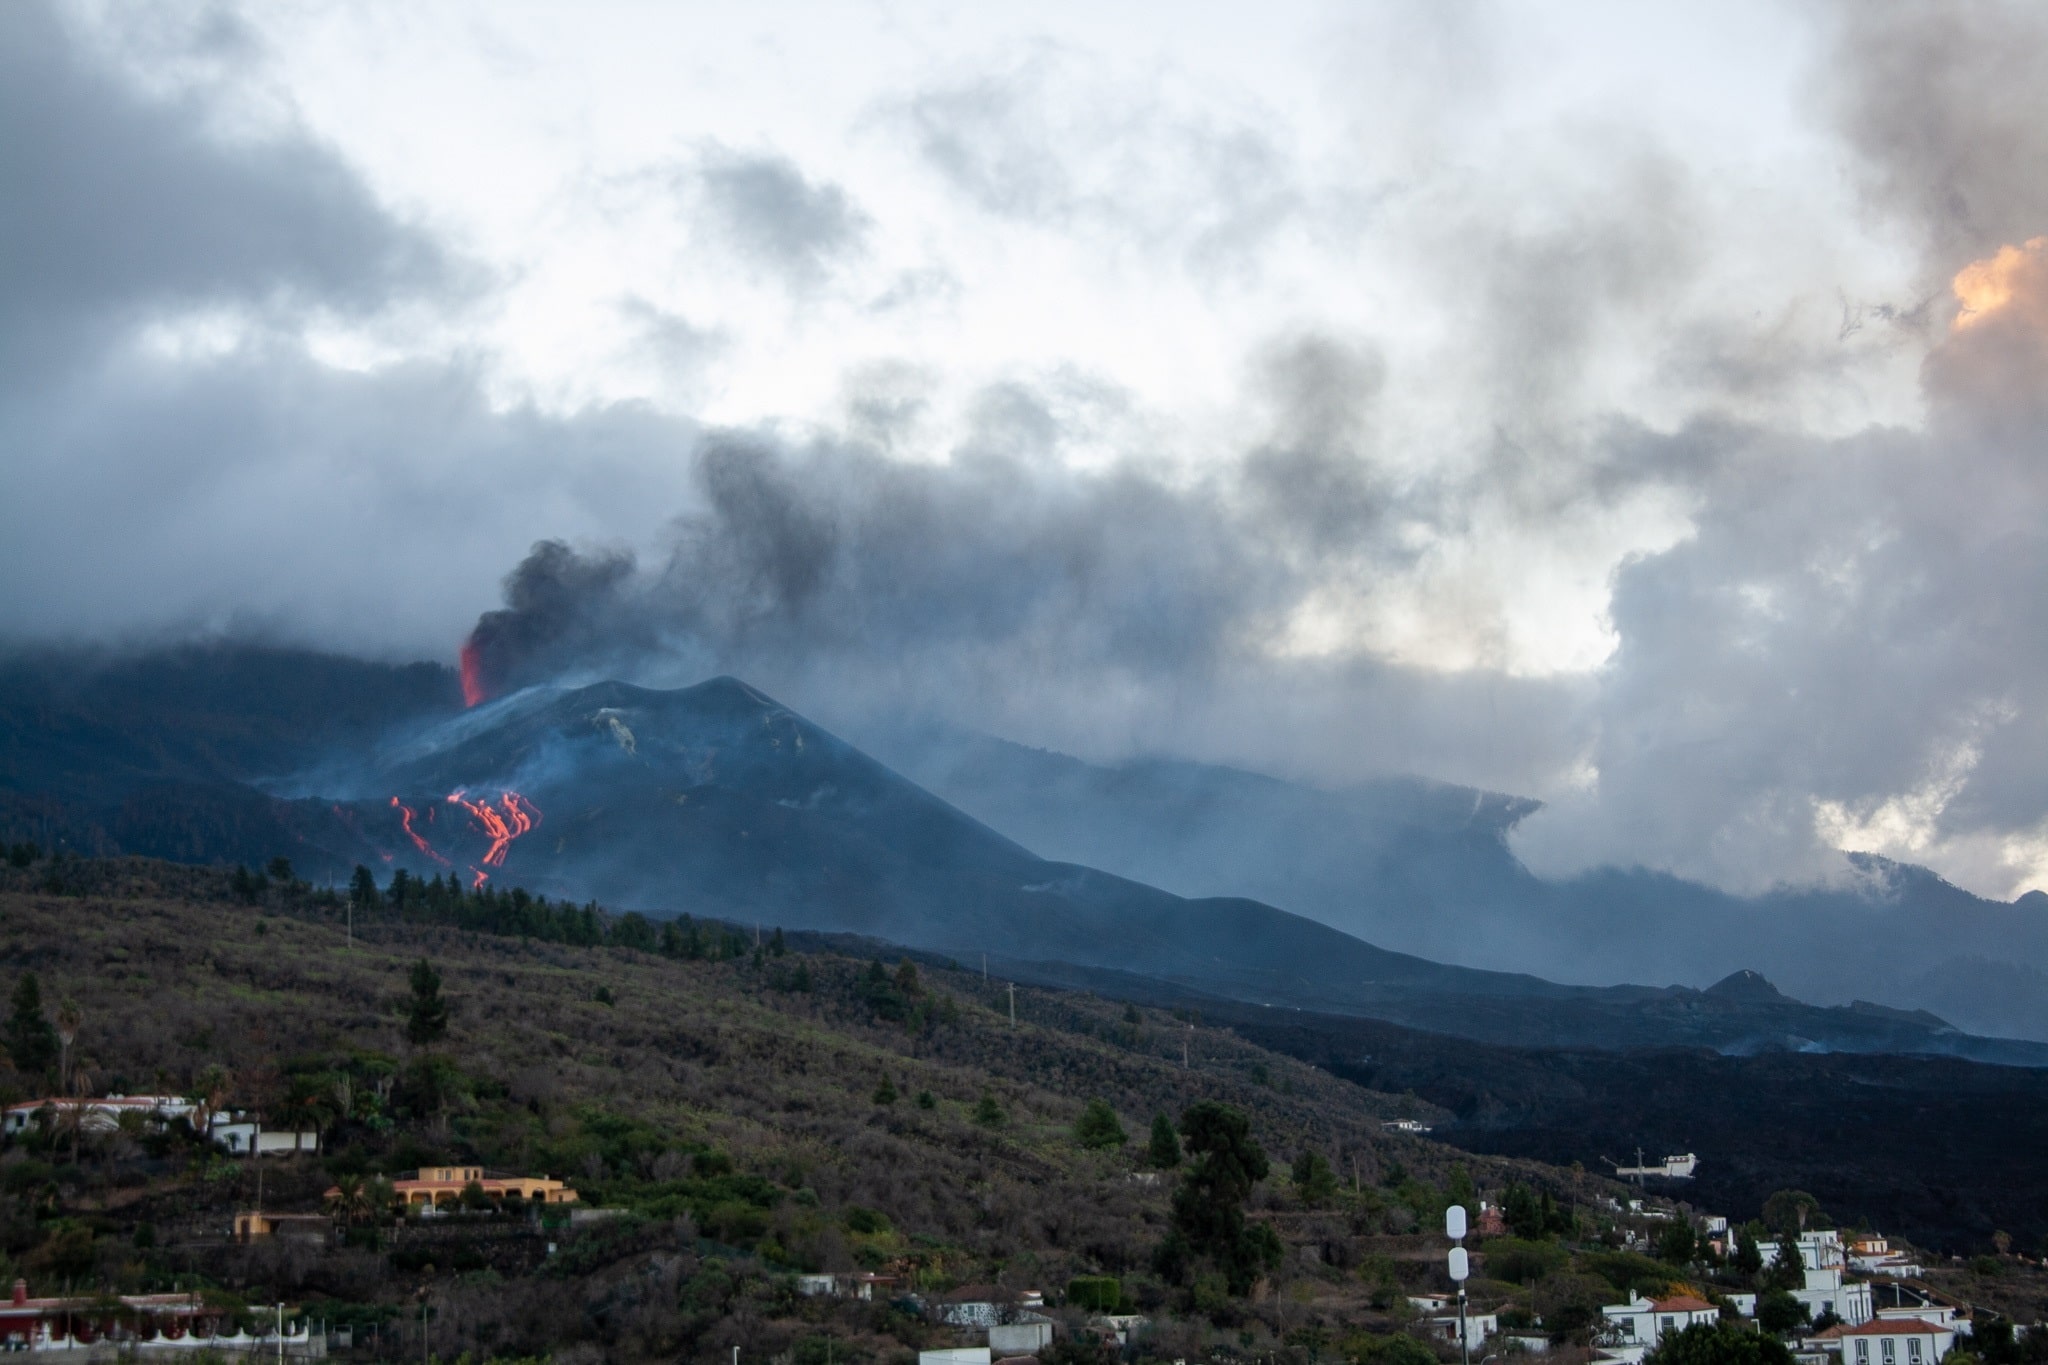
1833	1298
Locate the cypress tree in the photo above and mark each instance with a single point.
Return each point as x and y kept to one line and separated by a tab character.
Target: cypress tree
31	1039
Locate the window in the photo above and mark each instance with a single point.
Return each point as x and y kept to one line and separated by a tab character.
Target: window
1890	1350
1913	1350
1862	1350
1670	1324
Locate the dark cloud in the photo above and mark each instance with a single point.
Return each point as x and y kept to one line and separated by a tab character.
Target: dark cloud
766	210
1946	107
245	485
115	208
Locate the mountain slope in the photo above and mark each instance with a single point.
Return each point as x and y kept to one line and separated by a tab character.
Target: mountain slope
716	799
1426	868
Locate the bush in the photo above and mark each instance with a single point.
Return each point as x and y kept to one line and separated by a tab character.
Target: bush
1519	1261
1096	1293
1718	1344
1396	1349
1778	1312
1097	1129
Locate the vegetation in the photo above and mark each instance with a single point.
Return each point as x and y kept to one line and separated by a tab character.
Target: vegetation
741	1117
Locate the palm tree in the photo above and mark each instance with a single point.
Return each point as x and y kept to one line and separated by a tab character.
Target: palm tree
69	1018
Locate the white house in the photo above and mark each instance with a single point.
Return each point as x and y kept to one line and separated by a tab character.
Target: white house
239	1133
1823	1258
955	1355
1025	1338
1478	1328
246	1136
1892	1341
1642	1323
102	1114
1874	1255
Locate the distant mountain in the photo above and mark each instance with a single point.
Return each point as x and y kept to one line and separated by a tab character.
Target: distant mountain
1426	868
716	799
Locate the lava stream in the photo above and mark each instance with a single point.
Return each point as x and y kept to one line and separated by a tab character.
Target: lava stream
472	675
405	817
519	816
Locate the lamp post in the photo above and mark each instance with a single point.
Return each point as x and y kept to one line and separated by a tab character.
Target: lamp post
1461	1270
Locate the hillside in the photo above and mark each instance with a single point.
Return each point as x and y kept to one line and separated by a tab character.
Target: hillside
728	1101
716	799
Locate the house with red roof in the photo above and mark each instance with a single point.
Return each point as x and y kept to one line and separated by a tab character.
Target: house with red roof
1640	1324
1890	1341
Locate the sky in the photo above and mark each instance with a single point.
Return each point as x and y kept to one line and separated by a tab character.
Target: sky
1639	407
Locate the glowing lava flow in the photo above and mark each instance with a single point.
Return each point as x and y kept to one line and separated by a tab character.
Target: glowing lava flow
503	826
472	675
405	817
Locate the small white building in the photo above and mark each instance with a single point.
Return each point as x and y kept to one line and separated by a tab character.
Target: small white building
100	1115
863	1285
1025	1338
1874	1255
1823	1259
955	1355
246	1136
1642	1323
1123	1326
1478	1328
1892	1341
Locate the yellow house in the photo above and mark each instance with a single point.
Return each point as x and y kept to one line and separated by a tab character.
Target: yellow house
445	1184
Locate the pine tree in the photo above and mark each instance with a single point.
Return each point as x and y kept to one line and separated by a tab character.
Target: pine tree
427	1019
1164	1149
1314	1181
362	888
1208	1222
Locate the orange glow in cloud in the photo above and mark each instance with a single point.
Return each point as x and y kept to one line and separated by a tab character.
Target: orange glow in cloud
1983	287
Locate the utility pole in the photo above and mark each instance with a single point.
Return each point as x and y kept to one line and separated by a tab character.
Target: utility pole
1013	1004
1184	1046
984	968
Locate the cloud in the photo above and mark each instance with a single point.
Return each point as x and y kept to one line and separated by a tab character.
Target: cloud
178	458
1058	139
1946	109
765	210
115	208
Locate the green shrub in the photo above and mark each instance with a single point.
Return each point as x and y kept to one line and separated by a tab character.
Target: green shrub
1096	1293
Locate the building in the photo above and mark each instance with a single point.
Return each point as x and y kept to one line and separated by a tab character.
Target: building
240	1133
1875	1256
986	1305
1479	1327
101	1114
433	1186
299	1227
1122	1326
956	1355
1891	1341
1642	1323
864	1285
245	1135
1823	1259
1029	1335
28	1324
1405	1126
